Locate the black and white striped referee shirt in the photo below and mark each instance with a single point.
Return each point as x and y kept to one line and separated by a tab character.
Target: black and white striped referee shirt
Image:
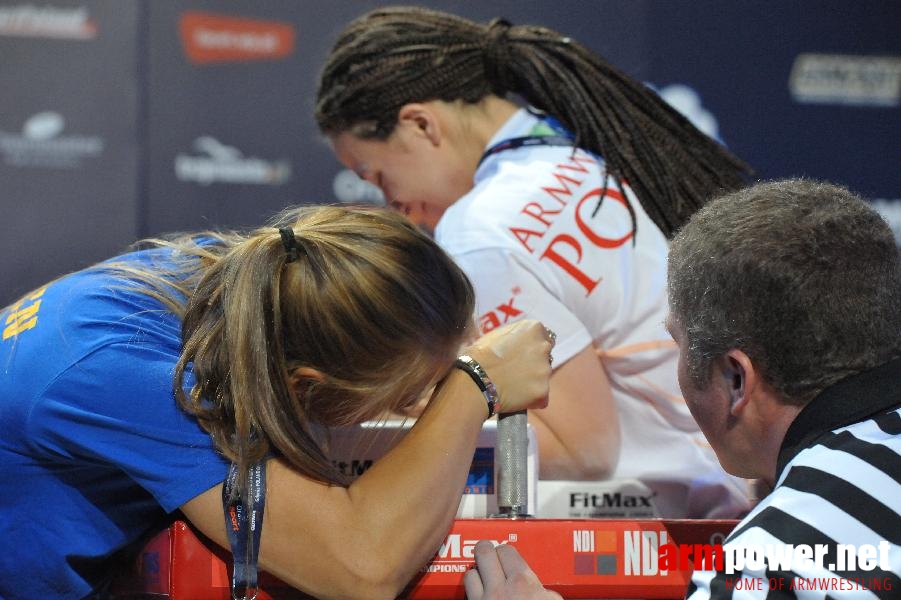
837	502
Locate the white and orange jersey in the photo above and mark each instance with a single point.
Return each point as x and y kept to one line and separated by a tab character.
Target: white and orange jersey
544	234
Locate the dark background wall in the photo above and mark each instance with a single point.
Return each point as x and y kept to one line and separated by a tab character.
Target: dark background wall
128	118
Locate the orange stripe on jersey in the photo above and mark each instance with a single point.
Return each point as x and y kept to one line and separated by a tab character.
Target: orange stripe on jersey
661	392
635	348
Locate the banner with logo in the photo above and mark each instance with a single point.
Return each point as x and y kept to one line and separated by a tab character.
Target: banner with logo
136	118
225	119
231	135
68	137
808	89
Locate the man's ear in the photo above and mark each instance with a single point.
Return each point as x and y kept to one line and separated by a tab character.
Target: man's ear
301	377
740	379
420	119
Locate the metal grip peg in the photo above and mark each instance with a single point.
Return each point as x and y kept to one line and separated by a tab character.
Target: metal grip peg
511	451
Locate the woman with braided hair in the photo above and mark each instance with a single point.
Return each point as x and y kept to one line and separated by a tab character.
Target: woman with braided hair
554	180
201	374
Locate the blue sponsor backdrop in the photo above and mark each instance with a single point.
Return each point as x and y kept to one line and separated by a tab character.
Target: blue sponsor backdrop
127	119
69	146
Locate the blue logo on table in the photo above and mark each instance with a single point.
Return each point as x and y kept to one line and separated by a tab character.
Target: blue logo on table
481	474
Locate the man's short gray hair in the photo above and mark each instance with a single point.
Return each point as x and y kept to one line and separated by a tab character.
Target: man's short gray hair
802	276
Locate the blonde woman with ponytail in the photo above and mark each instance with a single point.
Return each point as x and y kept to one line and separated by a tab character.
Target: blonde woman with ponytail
141	386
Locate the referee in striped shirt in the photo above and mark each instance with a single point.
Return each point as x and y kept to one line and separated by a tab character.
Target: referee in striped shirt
785	301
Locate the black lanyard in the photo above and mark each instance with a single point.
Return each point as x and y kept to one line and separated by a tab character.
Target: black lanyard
528	140
244	523
561	137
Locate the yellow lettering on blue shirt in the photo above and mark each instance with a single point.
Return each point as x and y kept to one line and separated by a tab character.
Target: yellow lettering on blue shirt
23	315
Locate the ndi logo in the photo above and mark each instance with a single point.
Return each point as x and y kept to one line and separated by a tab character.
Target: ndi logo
600	553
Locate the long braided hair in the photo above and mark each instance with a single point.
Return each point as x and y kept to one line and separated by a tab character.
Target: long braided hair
396	55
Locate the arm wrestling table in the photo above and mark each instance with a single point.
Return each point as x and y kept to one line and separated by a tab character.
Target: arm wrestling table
585	558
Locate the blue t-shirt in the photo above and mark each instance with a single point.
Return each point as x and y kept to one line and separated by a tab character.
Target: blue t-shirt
94	450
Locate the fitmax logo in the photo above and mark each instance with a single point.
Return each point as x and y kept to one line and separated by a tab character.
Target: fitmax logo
615	500
456	547
499	316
